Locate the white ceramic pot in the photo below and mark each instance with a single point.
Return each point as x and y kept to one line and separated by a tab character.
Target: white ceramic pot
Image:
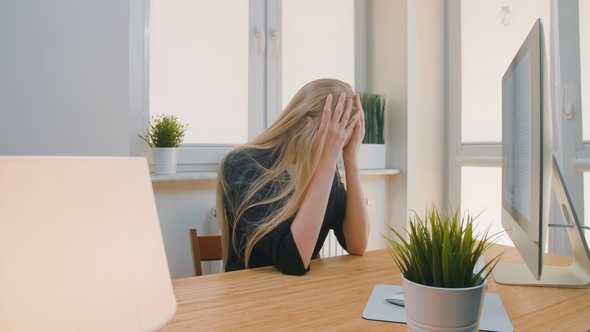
165	160
442	309
372	156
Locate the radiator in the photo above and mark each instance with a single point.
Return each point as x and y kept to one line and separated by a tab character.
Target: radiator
331	246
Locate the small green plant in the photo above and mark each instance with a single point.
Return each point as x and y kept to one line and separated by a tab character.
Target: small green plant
165	132
374	107
442	250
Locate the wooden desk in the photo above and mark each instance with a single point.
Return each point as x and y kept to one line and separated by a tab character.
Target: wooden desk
332	296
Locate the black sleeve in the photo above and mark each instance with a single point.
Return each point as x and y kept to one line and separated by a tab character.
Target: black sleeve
338	208
281	244
278	245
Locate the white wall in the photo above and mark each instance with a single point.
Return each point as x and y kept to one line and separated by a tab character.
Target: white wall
426	105
64	77
387	73
406	62
182	206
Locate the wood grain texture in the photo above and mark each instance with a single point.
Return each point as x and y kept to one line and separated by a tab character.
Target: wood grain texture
332	297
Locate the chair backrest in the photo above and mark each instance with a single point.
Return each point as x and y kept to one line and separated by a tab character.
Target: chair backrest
205	248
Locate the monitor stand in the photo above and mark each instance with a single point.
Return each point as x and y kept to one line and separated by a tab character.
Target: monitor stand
576	275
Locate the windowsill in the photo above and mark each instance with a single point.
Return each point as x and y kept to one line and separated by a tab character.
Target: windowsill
185	176
212	176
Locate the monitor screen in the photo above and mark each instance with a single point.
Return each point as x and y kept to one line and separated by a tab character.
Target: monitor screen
526	179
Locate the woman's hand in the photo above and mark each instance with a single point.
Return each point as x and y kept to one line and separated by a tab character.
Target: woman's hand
308	221
338	127
351	148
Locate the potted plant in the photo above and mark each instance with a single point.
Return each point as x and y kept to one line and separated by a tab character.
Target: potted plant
442	288
164	137
372	152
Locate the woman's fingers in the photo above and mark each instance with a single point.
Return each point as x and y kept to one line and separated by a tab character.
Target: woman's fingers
346	115
340	125
351	148
337	115
342	111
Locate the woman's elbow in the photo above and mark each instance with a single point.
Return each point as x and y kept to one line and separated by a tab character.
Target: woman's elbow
357	250
292	268
357	245
294	272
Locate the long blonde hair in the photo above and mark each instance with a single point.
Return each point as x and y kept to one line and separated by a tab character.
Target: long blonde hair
291	139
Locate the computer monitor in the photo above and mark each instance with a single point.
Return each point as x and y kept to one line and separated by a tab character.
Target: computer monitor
530	172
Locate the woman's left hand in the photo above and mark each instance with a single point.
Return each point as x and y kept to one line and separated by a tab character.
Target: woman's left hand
351	148
357	225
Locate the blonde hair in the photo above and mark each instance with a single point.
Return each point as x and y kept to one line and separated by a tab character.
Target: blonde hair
289	140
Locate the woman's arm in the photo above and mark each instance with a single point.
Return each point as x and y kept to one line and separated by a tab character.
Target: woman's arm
356	222
308	222
356	225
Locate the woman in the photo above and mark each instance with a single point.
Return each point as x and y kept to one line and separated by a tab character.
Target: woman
280	194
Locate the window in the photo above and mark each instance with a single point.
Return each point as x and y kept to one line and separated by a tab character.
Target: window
475	106
584	12
484	40
485	49
198	67
322	47
227	68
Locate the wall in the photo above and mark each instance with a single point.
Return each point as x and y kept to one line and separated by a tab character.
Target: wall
182	206
64	77
386	73
426	105
406	62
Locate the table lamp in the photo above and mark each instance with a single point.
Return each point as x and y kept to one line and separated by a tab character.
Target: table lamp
80	246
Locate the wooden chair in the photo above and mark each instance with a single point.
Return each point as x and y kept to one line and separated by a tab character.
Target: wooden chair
205	248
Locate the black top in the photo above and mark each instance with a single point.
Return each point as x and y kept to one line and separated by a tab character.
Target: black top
278	246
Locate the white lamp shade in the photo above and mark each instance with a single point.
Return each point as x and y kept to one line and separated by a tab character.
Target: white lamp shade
80	246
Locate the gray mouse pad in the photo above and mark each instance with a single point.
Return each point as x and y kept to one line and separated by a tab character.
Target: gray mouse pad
493	313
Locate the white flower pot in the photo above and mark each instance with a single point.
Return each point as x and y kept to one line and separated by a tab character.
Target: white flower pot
165	160
442	309
372	156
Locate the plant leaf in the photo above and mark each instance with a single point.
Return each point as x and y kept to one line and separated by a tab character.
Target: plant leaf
441	250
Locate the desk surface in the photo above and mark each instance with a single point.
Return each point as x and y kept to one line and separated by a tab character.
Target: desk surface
333	295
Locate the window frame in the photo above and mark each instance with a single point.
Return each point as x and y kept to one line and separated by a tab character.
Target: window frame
264	83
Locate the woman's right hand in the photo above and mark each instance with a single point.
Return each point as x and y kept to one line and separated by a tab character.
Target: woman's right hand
337	125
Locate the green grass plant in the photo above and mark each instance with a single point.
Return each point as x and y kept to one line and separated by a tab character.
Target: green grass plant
165	132
374	107
442	250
